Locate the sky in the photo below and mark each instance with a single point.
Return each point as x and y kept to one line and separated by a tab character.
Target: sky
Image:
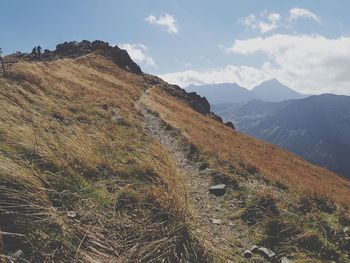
303	44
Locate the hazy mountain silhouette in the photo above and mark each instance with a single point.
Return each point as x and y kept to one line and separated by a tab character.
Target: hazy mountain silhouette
222	93
271	90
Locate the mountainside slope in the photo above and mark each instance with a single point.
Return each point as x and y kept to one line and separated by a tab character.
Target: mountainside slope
103	163
316	128
78	174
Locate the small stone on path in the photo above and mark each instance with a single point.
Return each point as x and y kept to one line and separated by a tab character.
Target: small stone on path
217	221
218	190
267	253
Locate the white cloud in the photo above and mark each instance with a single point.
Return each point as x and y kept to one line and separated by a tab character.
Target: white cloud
139	53
296	13
308	63
265	23
242	75
166	20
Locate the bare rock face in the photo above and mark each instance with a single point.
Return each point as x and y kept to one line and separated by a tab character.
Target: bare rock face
230	124
216	117
198	103
122	58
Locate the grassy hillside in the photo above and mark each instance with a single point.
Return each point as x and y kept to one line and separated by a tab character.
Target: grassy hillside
71	140
83	180
238	150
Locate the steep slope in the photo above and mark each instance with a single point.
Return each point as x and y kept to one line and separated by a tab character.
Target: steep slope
316	128
101	163
263	178
273	90
235	147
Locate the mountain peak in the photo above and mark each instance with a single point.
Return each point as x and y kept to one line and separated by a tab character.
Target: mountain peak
222	93
271	83
274	80
273	90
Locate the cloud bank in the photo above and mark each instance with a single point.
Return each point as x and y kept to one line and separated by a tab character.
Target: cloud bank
268	21
307	63
243	76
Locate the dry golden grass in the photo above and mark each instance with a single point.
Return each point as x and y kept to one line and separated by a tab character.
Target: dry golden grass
71	140
236	148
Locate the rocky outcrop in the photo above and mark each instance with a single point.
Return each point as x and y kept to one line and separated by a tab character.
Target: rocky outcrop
230	124
119	56
79	48
198	103
74	49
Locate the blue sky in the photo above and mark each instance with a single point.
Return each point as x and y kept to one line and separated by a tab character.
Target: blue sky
304	44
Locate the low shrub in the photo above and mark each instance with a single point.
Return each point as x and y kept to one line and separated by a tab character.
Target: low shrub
279	230
309	202
325	204
281	185
305	204
260	207
344	218
311	241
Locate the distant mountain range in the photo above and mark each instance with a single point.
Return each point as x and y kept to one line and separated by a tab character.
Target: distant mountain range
271	90
316	128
